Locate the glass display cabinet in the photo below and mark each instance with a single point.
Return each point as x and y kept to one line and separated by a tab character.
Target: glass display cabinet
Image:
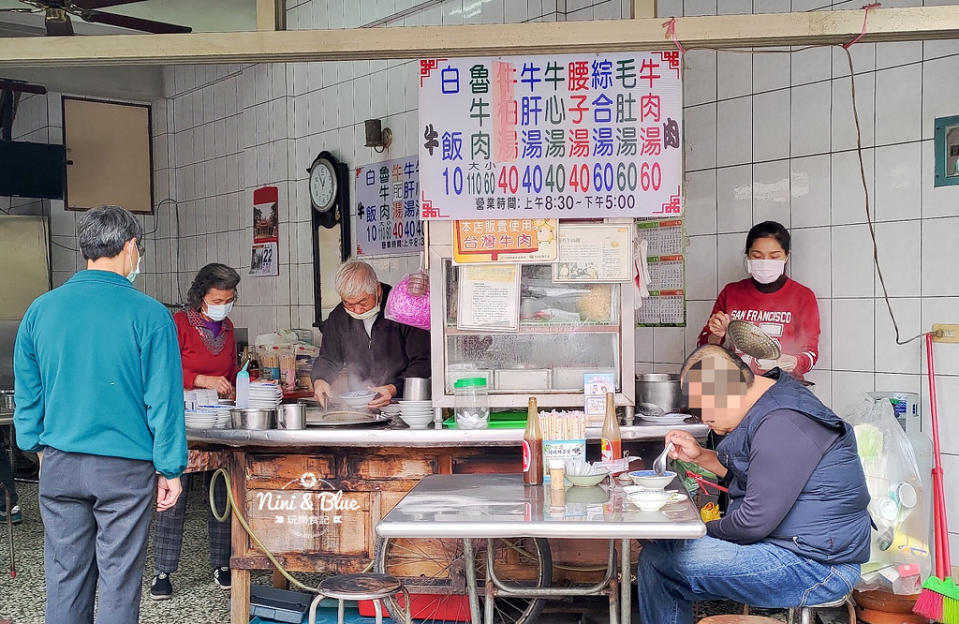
565	330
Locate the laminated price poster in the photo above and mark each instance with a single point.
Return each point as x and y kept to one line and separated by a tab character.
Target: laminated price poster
556	136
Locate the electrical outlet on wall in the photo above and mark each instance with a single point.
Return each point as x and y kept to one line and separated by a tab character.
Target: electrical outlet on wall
949	332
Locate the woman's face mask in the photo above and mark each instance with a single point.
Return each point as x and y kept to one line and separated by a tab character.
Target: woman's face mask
218	312
765	271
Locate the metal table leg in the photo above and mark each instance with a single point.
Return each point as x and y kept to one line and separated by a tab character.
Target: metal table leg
468	560
625	581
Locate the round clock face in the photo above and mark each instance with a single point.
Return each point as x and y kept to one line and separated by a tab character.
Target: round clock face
322	185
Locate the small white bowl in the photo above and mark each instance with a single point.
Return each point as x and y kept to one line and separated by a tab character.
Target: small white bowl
649	479
649	500
391	410
358	399
417	422
587	480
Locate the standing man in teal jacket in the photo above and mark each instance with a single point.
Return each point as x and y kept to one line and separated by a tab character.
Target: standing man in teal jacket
99	397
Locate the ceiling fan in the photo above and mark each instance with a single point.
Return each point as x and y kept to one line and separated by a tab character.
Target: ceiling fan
57	16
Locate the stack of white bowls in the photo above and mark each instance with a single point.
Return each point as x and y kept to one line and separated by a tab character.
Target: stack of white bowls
416	414
207	418
265	394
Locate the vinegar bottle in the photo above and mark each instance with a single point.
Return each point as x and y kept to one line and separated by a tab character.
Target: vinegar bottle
612	443
243	388
532	447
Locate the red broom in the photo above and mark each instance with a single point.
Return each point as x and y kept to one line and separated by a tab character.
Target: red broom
939	599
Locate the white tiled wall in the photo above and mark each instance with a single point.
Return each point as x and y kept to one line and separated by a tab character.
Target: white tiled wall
773	137
226	130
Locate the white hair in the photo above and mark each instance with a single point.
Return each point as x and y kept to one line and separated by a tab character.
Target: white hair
355	279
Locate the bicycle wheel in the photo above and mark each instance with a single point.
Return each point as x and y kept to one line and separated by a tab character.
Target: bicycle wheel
436	567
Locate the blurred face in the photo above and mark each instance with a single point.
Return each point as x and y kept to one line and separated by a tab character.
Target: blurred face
361	304
719	392
767	248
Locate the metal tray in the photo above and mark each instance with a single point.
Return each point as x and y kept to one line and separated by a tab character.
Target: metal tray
318	417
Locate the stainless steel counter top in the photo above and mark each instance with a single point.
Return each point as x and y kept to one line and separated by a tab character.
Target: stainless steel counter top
319	436
494	505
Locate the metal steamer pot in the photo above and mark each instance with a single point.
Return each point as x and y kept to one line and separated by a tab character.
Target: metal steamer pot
662	390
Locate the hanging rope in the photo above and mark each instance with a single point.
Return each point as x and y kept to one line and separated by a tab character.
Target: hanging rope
865	20
670	27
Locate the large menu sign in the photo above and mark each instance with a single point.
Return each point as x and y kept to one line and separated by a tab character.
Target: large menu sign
559	136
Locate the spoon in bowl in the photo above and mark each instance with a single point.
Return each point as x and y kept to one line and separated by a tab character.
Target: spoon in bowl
659	464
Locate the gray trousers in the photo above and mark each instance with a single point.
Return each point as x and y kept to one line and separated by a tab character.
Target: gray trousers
96	515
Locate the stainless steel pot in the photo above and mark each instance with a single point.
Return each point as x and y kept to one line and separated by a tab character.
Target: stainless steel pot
291	416
252	418
6	400
661	389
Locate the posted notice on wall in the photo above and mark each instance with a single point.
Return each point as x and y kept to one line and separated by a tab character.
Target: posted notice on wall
665	257
594	253
505	240
561	136
388	208
488	298
265	260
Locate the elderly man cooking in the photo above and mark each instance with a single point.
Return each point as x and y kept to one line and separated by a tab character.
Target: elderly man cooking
797	527
359	341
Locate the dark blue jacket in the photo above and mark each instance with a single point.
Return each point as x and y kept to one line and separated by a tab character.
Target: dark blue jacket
828	522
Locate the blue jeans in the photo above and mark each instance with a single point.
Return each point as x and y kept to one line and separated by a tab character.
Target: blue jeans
673	573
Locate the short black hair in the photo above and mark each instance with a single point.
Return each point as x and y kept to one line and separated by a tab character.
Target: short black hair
769	229
213	275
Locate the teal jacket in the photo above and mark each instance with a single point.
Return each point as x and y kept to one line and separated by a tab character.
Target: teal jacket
97	371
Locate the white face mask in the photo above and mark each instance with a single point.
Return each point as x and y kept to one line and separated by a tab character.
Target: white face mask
765	271
372	312
132	275
218	312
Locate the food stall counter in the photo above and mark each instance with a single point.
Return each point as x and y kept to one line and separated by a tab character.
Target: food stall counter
416	438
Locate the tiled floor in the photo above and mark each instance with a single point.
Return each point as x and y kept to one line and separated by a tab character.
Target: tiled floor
196	599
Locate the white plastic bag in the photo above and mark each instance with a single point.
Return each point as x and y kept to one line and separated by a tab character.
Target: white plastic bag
899	506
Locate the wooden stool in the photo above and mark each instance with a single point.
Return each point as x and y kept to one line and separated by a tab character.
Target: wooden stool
739	619
373	587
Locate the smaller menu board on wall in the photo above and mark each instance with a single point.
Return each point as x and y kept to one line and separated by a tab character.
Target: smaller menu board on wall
387	208
666	304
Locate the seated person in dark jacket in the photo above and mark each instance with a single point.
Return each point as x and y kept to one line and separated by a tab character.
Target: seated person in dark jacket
796	529
359	342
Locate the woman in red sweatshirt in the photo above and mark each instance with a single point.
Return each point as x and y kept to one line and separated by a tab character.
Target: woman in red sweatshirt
208	357
783	308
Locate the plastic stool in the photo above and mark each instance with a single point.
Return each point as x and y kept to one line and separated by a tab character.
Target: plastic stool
373	587
738	619
806	613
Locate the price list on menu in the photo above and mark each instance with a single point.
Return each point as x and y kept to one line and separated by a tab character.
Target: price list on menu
666	304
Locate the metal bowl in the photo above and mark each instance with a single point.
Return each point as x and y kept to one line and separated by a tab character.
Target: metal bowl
6	400
256	419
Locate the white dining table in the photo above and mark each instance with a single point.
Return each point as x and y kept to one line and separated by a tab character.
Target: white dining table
500	506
